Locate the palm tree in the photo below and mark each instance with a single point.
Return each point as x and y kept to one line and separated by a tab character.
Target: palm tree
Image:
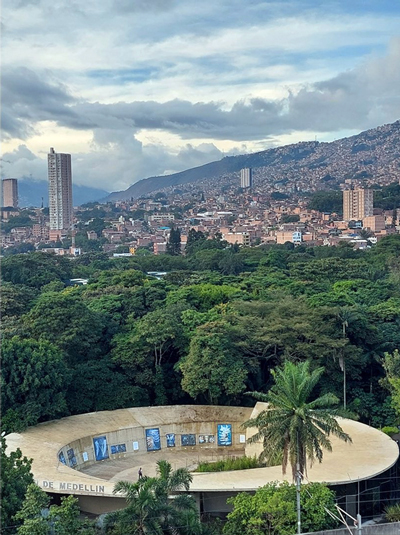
141	515
293	426
176	510
156	505
346	316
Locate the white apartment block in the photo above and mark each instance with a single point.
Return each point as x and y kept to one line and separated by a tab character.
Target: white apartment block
246	178
162	217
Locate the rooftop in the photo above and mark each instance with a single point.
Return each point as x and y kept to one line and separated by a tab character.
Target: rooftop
370	453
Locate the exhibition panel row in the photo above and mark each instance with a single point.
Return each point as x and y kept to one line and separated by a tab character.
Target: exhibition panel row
152	440
102	449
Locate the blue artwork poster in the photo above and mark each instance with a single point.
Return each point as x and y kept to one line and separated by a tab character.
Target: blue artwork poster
71	457
188	440
118	448
100	448
170	440
153	441
224	434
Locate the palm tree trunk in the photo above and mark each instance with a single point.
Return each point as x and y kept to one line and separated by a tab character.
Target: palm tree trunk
344	385
344	324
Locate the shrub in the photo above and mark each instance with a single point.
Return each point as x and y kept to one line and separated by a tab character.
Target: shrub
389	430
392	513
233	463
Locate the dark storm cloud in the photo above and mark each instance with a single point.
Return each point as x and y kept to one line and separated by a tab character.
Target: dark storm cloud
27	99
356	99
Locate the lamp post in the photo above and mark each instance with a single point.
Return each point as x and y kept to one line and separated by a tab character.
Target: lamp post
298	487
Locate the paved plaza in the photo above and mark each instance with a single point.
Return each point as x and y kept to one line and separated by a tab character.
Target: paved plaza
127	468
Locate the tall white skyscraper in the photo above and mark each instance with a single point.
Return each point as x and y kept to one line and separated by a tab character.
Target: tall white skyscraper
246	178
60	193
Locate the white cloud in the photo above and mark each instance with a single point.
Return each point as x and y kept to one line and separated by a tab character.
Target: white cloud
21	162
134	89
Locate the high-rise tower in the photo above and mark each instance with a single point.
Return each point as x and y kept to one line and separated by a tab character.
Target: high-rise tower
10	192
60	193
357	204
246	178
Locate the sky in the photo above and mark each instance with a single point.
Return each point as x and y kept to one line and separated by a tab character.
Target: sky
138	88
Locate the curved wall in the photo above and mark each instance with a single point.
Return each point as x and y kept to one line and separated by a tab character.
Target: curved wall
165	428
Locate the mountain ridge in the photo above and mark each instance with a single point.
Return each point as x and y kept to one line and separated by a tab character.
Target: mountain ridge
374	152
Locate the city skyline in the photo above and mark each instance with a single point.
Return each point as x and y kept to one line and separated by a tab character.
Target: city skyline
160	87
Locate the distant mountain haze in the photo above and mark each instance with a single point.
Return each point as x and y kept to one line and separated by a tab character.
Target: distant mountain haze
30	193
373	153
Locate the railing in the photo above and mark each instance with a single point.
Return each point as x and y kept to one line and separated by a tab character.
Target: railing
376	529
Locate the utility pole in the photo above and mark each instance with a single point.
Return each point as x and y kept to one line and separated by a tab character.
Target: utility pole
298	487
359	526
345	325
342	360
298	478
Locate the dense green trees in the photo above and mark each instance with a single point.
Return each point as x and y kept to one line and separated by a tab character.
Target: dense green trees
217	326
174	242
23	219
100	384
391	364
30	514
35	269
138	340
33	378
149	347
64	319
16	476
272	510
214	366
195	241
16	299
387	197
61	519
204	296
327	201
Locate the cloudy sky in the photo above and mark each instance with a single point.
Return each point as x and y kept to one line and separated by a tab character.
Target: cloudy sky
136	88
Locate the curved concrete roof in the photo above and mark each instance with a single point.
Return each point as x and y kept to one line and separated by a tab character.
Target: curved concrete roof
371	452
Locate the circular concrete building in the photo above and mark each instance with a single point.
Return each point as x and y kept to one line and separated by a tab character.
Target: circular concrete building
85	455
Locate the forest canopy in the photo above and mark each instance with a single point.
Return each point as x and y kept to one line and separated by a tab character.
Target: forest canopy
208	332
